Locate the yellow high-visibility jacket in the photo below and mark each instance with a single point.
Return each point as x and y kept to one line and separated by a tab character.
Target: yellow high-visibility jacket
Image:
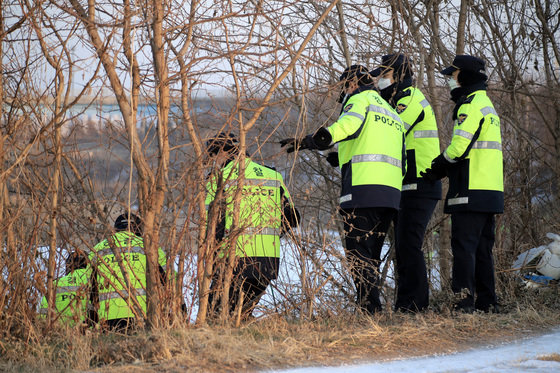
421	139
476	181
370	138
72	292
116	295
260	211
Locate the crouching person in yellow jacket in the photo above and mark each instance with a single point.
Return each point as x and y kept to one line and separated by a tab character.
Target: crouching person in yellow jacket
72	292
119	275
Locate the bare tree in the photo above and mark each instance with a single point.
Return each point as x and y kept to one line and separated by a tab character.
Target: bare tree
264	70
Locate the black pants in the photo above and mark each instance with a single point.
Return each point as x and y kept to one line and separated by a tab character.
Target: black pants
124	325
365	230
412	277
253	289
472	239
252	277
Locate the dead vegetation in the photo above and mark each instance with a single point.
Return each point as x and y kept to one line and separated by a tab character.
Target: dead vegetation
64	178
551	357
278	342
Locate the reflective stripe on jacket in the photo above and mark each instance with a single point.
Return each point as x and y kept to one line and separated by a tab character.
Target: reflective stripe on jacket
370	138
476	175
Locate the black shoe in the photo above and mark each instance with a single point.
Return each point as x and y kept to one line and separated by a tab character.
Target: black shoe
405	310
492	308
411	310
464	309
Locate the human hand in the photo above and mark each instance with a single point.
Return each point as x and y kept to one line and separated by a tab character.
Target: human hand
438	169
332	158
293	144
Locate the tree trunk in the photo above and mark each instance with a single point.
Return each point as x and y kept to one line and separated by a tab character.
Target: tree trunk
445	227
463	13
343	38
53	225
155	198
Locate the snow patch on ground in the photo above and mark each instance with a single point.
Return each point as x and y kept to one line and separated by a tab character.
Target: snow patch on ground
520	356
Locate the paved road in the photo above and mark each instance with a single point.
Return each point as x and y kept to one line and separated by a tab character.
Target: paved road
520	356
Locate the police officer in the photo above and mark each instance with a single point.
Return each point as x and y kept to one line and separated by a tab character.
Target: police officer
419	197
473	162
72	291
370	140
265	213
119	274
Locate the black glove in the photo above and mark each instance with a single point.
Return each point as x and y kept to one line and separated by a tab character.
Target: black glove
298	144
332	158
438	169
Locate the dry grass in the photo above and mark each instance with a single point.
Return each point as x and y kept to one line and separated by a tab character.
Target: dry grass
551	357
275	342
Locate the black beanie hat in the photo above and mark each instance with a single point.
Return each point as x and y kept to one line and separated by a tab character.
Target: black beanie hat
222	141
469	77
357	71
400	64
129	222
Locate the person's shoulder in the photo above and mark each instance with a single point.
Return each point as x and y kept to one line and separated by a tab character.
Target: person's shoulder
470	107
482	103
126	236
99	246
474	101
78	276
263	169
480	96
466	102
362	95
477	96
65	280
403	98
82	271
416	93
373	97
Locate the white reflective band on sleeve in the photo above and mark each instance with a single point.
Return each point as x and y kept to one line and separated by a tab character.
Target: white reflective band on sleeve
261	230
409	187
352	114
487	145
115	294
448	158
426	134
406	125
67	289
424	103
345	198
458	201
488	110
124	250
465	134
384	111
376	158
263	182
